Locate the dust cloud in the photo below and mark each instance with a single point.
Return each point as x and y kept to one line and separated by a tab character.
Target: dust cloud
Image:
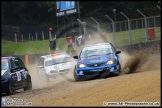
138	62
129	64
39	82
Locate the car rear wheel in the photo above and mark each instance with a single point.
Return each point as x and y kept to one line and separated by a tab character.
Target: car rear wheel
28	83
11	90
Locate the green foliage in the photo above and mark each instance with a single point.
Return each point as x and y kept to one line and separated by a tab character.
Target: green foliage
37	13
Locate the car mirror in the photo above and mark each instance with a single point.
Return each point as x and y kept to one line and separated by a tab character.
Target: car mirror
75	57
117	52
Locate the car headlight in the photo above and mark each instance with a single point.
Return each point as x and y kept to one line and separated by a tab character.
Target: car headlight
81	65
111	62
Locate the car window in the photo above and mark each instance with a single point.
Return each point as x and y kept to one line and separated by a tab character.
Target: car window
19	63
87	52
12	62
52	61
4	64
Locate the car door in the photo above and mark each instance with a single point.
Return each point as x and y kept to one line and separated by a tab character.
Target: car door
15	72
23	71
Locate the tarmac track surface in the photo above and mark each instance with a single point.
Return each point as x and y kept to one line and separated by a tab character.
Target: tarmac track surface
141	86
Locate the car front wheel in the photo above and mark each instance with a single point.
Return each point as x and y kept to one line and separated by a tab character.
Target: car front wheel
75	76
11	90
119	71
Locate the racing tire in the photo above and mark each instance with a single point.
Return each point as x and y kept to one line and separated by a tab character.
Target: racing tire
12	89
28	84
76	78
119	70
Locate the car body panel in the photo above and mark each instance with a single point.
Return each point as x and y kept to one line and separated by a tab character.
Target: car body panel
18	74
54	64
96	64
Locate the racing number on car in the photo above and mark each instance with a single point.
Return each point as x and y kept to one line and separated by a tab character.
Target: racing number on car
18	76
24	73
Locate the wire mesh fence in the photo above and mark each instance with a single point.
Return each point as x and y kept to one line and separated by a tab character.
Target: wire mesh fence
131	28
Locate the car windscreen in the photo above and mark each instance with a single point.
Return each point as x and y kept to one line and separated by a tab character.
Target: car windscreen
4	64
54	61
96	51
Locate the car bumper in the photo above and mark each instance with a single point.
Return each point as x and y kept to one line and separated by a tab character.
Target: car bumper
4	86
104	70
56	73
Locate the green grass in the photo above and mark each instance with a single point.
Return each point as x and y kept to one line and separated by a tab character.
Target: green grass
32	47
41	47
137	35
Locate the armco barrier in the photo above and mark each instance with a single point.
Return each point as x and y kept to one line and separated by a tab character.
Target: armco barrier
148	47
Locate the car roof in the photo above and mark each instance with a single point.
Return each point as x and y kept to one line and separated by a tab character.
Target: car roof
8	57
56	54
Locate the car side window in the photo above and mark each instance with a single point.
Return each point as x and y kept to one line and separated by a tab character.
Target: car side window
20	63
16	62
12	63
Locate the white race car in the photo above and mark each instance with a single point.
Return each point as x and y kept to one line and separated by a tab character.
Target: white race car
52	65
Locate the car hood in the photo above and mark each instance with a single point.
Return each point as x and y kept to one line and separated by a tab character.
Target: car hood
95	59
2	72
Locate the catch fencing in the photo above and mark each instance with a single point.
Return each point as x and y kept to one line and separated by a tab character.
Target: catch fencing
25	33
126	28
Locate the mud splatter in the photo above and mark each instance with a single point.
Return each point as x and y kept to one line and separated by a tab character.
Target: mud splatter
134	62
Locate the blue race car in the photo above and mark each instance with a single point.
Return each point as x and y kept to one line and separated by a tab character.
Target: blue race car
14	75
97	60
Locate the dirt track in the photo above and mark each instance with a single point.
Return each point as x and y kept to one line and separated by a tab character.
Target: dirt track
141	86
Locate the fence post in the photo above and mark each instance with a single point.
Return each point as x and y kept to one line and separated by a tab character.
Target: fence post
130	38
22	37
96	22
136	24
42	35
29	36
84	28
113	26
64	27
15	37
97	26
148	22
125	25
36	35
145	24
50	35
154	22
